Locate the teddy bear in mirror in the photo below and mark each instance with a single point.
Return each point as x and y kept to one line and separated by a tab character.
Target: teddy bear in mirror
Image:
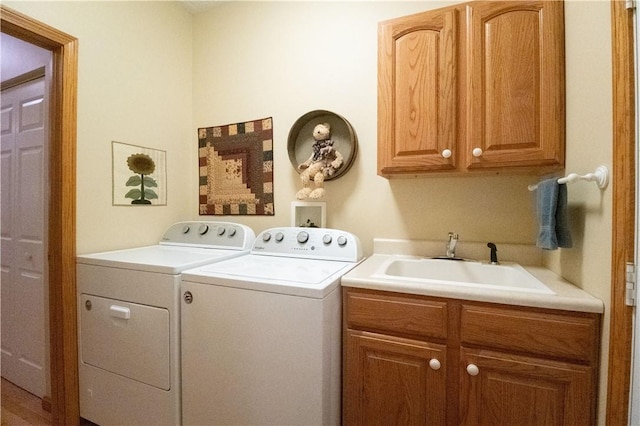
322	163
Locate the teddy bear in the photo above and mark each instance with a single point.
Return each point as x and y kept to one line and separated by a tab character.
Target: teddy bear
323	162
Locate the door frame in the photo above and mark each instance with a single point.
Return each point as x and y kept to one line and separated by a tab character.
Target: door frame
62	208
623	221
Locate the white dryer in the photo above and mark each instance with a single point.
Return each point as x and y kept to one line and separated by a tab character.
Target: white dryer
129	321
261	334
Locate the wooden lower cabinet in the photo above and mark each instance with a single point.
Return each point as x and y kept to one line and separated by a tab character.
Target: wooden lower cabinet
394	381
419	360
516	390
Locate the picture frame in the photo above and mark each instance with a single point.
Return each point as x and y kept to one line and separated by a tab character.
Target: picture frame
236	169
139	175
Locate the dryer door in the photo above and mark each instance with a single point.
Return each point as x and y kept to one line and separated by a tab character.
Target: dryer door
127	339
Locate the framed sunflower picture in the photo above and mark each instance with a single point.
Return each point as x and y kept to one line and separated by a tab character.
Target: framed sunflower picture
139	175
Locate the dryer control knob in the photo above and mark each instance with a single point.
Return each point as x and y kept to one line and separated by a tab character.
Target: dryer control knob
303	237
342	240
266	237
279	237
203	229
327	239
232	232
186	229
221	231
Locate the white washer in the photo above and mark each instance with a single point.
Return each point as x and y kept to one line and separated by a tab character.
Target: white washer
261	334
129	321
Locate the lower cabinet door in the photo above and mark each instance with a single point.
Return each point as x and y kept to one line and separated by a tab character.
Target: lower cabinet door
498	388
390	380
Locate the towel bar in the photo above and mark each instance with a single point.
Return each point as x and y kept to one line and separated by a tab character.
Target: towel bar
600	176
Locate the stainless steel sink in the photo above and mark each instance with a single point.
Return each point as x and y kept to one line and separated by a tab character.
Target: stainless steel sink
505	276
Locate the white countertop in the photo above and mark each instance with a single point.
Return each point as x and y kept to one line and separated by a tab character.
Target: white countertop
567	296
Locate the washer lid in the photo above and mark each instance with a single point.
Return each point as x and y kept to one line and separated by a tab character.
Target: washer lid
164	259
294	276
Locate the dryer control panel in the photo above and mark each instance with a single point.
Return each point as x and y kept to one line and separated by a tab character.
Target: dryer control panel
205	234
312	243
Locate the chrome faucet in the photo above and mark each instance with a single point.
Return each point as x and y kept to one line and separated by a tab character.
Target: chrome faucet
451	245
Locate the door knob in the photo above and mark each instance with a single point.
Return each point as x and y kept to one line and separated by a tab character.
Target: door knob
446	153
477	152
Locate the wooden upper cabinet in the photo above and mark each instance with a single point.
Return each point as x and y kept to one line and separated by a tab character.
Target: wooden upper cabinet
417	92
515	84
474	86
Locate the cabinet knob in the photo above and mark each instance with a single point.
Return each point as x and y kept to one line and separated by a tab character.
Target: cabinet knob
434	364
446	153
473	370
477	152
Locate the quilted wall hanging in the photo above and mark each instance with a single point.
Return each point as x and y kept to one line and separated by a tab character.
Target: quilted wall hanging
236	168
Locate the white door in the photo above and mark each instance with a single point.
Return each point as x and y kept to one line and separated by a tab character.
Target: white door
24	197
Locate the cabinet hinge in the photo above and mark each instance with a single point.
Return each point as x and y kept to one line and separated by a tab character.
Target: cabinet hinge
631	285
630	4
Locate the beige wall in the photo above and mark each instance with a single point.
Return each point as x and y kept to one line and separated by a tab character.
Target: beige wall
589	136
150	75
134	86
284	59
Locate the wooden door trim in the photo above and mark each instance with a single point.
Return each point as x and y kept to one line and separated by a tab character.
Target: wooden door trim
62	208
623	221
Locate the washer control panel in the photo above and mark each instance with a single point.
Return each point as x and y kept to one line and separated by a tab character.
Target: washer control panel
225	235
312	243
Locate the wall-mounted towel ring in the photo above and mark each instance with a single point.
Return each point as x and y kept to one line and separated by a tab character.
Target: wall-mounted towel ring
600	177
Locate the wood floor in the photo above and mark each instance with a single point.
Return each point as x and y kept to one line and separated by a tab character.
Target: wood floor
19	407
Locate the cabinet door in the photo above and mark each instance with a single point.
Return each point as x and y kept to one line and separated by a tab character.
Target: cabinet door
417	93
519	390
391	380
515	84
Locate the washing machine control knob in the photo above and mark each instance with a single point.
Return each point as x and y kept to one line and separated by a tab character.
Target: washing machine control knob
232	232
327	239
186	229
279	237
203	229
303	237
342	240
266	237
221	231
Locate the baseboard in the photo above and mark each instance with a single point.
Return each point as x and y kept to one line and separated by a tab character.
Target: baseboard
46	403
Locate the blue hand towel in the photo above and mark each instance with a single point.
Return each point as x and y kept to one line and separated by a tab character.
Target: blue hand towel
552	214
563	230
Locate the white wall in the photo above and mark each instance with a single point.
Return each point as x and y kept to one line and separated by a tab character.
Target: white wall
134	86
